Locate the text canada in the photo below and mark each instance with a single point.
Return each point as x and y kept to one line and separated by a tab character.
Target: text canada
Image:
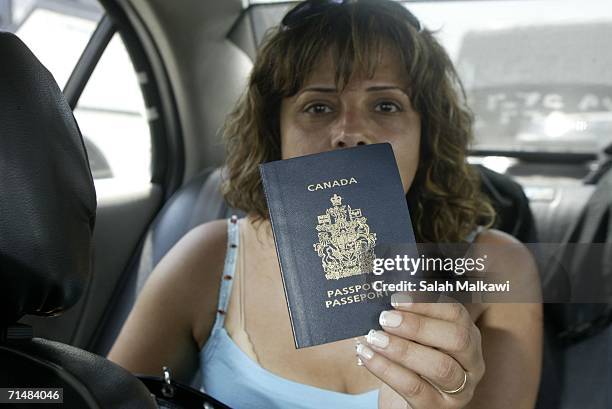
332	183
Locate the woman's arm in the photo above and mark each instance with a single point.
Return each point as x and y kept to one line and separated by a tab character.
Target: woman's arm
512	348
429	348
174	313
511	332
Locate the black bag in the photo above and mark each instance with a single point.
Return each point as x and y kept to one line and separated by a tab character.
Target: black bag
170	394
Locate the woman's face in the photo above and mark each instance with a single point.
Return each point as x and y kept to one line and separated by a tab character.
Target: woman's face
369	110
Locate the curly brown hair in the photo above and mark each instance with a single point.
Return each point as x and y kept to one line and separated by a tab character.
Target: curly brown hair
445	200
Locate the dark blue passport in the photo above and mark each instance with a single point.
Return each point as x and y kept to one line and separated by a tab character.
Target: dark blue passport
330	212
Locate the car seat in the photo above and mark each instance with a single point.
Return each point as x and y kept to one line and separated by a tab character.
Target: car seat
47	214
584	329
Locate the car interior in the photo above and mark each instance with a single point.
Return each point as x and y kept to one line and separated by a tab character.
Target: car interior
78	240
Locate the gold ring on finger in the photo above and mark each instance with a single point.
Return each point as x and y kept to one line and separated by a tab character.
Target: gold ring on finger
459	389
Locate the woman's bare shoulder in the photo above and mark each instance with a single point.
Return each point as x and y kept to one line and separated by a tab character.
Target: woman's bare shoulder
176	306
505	249
510	260
197	256
200	256
195	265
205	242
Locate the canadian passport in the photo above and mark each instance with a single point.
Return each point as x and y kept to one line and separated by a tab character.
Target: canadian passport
329	212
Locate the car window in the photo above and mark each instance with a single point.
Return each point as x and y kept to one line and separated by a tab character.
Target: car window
110	112
536	74
43	25
112	117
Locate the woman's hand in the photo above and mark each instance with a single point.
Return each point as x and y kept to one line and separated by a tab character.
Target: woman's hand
428	355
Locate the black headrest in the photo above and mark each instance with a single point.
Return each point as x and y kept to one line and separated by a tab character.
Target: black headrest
47	196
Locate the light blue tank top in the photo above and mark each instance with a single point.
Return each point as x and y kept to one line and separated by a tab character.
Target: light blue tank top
232	377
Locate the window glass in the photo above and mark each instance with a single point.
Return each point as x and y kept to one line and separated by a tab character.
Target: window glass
111	112
536	73
56	32
112	117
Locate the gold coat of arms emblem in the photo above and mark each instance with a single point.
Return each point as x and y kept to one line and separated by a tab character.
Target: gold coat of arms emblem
346	245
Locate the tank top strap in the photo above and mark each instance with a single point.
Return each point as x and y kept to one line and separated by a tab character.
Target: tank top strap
228	271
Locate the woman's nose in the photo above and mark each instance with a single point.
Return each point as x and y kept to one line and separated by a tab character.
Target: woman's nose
351	130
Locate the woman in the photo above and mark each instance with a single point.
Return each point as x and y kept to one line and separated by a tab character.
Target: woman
336	75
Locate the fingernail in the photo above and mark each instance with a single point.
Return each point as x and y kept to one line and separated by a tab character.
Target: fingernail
359	361
377	338
402	299
390	319
364	352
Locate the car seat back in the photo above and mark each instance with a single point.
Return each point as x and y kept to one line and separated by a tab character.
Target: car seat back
47	214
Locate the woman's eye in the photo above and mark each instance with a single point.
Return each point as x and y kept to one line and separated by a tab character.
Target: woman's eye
318	109
387	107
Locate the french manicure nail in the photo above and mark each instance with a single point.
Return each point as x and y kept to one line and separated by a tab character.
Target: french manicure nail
364	351
402	299
377	338
390	319
359	361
